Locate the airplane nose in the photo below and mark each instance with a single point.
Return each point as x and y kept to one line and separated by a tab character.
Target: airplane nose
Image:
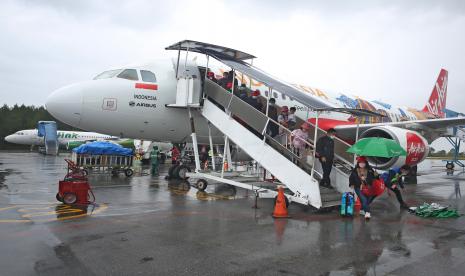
9	138
65	104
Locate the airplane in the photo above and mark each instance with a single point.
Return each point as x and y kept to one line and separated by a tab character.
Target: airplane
66	139
137	101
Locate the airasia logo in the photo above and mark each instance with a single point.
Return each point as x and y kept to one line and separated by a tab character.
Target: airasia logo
416	149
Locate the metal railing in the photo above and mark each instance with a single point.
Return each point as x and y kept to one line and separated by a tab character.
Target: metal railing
259	122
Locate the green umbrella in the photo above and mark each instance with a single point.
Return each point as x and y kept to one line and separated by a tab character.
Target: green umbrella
377	147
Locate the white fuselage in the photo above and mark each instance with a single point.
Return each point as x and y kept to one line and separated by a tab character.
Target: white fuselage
30	137
120	106
116	106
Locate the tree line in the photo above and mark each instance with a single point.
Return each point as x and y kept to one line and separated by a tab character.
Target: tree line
19	117
443	153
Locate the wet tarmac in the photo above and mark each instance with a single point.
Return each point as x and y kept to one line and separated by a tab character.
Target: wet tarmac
145	225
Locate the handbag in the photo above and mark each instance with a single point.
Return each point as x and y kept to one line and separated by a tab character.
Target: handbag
377	187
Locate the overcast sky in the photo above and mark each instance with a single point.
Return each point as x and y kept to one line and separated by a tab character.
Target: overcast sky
386	50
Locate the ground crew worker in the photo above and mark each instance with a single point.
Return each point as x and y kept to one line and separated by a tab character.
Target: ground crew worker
325	153
154	160
393	179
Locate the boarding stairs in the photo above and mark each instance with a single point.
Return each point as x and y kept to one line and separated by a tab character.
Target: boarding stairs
457	136
246	127
460	133
48	130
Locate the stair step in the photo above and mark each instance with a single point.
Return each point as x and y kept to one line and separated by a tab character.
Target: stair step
334	203
331	198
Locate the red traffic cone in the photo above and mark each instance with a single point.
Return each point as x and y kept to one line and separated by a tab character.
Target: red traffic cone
280	207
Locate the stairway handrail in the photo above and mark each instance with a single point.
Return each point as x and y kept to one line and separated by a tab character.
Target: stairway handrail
308	141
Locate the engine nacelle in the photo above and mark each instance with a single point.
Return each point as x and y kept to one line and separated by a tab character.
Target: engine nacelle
414	144
74	144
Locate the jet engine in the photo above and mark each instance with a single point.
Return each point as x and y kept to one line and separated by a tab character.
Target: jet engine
414	144
74	144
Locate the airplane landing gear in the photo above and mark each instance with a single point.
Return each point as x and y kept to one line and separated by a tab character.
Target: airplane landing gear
201	184
178	172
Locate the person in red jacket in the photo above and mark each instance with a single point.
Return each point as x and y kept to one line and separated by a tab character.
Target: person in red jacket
175	153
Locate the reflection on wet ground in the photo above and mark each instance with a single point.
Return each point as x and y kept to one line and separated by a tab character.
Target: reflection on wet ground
147	225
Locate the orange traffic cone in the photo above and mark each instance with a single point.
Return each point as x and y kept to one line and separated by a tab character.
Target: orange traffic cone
225	165
280	208
358	205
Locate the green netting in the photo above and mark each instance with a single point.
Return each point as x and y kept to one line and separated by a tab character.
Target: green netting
435	210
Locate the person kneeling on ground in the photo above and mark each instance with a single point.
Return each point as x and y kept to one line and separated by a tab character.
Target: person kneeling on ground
393	179
361	175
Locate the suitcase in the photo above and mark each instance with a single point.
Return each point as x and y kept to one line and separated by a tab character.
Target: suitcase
347	204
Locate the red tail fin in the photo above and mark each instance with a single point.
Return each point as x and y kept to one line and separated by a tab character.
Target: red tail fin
437	100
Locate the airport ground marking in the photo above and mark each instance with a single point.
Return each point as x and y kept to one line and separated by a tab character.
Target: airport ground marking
63	210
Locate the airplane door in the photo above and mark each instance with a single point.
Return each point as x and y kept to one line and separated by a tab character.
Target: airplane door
188	91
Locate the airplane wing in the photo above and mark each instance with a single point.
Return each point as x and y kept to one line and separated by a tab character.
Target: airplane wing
349	131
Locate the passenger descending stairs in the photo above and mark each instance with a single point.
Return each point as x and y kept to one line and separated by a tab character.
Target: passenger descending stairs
296	178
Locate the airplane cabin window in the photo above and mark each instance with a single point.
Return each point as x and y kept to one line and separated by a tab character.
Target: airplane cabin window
148	76
128	74
107	74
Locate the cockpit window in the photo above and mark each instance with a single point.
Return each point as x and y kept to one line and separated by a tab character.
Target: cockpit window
107	74
148	76
129	74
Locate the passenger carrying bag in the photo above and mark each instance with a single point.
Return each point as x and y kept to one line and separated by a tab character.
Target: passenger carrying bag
347	205
376	189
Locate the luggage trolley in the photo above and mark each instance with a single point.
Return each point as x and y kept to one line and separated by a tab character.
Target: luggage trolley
75	188
104	163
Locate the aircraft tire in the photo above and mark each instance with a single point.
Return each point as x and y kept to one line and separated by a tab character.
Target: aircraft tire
171	171
180	172
450	166
69	198
201	184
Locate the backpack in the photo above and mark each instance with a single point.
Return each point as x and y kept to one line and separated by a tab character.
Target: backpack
347	204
